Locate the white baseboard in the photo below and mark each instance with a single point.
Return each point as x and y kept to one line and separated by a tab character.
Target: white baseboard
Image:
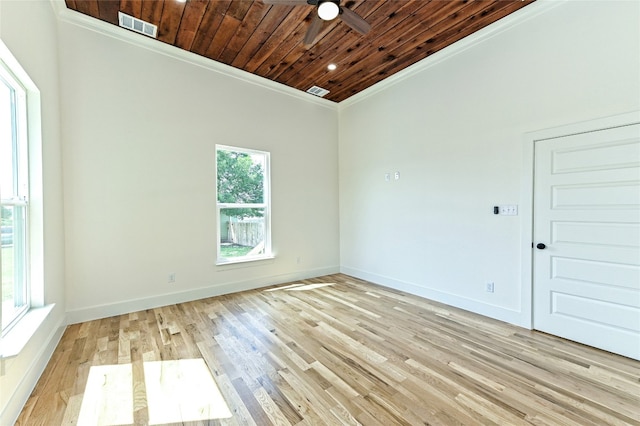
21	394
487	310
128	306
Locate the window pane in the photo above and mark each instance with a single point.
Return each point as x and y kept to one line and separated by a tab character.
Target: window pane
14	268
14	194
242	232
8	174
240	177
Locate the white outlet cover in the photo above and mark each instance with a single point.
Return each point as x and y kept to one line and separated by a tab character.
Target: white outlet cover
396	175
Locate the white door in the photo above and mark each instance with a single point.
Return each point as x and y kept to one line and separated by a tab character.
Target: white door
586	261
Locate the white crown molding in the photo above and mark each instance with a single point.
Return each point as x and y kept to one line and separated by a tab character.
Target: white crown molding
109	30
516	18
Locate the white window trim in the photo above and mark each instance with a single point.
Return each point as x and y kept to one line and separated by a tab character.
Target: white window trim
20	198
21	331
266	205
19	335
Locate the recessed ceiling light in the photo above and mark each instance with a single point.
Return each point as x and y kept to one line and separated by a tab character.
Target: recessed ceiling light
332	67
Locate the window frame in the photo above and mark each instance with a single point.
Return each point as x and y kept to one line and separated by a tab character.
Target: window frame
266	205
19	195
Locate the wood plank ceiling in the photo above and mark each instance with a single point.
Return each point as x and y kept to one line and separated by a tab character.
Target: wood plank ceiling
267	40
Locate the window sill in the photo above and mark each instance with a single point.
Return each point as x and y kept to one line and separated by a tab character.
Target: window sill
244	262
17	338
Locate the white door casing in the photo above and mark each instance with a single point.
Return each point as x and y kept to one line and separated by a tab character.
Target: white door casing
586	281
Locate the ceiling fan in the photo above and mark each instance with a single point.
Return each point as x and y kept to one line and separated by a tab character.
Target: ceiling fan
327	10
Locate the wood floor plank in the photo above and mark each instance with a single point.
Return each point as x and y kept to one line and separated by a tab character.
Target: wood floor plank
337	350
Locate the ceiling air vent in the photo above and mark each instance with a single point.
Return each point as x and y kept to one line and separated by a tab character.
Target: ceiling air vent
318	91
137	25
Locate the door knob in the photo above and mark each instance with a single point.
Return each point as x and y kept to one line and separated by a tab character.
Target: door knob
541	246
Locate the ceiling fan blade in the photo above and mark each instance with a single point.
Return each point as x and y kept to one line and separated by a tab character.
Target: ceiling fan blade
286	2
313	30
354	20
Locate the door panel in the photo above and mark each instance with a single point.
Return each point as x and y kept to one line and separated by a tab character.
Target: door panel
587	213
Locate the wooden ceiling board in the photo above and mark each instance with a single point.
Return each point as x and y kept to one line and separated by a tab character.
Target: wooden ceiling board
264	29
133	8
150	11
267	40
170	22
108	10
191	20
245	30
209	26
89	7
275	40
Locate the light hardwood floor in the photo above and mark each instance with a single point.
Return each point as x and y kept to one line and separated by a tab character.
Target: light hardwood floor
348	352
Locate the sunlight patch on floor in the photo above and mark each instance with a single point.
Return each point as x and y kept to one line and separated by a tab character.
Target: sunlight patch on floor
284	287
310	287
182	390
108	396
176	391
300	287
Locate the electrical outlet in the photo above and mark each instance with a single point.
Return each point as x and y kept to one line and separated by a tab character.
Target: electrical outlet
489	287
172	278
396	175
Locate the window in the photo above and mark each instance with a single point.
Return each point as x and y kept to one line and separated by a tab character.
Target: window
14	196
243	204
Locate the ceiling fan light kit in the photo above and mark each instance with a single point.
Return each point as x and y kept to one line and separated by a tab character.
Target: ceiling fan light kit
328	10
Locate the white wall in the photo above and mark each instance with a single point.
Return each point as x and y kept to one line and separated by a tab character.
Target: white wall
36	51
455	131
140	133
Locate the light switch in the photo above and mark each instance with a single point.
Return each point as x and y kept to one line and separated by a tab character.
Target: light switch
511	210
387	177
